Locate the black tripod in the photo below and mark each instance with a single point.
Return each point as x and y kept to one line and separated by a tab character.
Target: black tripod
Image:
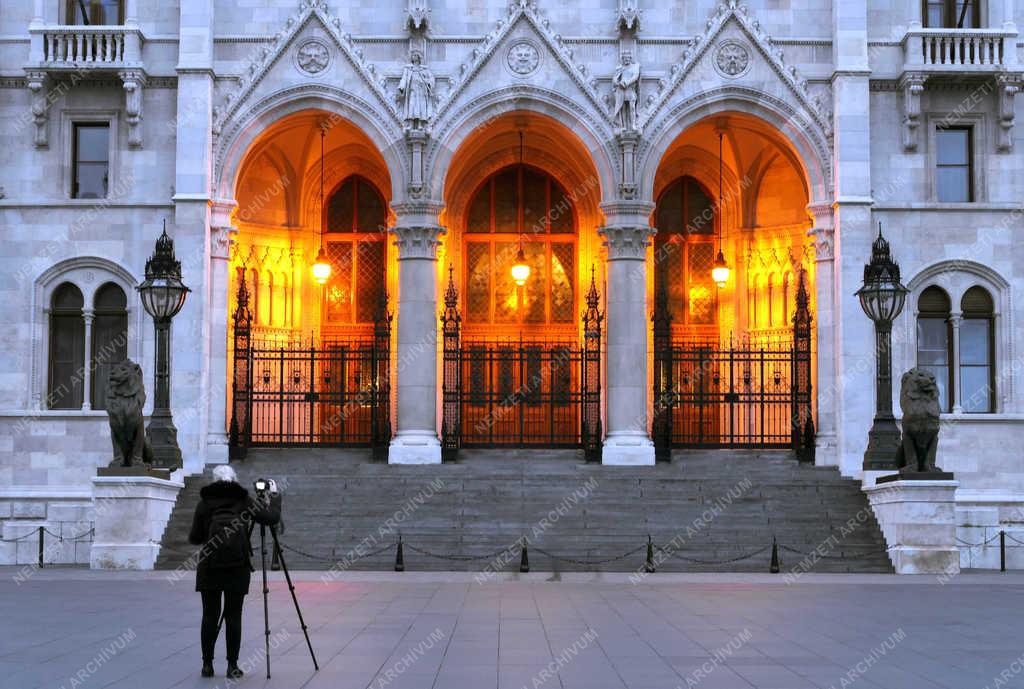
266	611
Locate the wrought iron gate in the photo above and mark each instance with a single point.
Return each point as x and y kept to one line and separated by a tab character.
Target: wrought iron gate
744	393
521	393
310	393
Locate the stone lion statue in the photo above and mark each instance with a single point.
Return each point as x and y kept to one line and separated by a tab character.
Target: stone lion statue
126	396
919	400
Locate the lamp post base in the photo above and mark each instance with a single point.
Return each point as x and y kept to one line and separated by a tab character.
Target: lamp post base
883	445
163	439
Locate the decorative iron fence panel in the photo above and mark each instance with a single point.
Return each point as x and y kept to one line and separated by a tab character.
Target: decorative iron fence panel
310	393
504	393
738	393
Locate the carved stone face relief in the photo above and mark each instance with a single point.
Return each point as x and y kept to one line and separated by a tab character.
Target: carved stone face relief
732	59
312	57
523	58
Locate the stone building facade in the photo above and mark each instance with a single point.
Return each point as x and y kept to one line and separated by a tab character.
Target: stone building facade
799	127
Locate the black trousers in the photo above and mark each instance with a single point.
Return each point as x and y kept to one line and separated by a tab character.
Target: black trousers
232	623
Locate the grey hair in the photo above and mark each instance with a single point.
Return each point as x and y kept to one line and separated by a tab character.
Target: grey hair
223	472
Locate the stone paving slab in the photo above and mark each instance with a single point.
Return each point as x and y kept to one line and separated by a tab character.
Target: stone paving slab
66	628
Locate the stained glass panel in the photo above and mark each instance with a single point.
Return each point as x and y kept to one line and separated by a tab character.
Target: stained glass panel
506	212
700	218
562	271
560	217
371	217
701	296
534	203
341	208
505	303
338	290
478	270
479	219
535	288
370	279
670	210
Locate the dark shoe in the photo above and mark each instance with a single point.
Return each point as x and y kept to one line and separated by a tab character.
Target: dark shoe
235	672
207	670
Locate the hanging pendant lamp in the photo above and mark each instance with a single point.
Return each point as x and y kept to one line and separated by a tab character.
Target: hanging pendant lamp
720	271
520	268
321	266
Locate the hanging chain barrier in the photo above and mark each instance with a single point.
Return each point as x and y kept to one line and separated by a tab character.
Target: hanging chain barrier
40	533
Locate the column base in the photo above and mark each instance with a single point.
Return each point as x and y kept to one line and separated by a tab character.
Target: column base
627	449
415	447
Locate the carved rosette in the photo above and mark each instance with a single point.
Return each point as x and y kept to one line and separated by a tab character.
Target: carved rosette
417	241
732	59
627	242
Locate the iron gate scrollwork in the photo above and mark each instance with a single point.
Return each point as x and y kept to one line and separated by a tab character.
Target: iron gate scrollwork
740	393
520	393
295	393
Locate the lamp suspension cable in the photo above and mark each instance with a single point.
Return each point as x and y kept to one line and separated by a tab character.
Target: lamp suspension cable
520	268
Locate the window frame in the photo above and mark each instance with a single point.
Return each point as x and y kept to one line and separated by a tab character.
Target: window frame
70	7
977	141
951	10
69	118
951	350
79	392
969	164
548	239
990	328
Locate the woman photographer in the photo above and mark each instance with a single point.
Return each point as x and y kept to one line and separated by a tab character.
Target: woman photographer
222	525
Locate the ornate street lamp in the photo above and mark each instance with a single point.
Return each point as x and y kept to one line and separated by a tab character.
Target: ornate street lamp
163	294
720	271
882	297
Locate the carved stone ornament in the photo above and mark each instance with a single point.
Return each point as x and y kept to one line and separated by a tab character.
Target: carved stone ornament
523	58
732	59
417	241
312	57
627	241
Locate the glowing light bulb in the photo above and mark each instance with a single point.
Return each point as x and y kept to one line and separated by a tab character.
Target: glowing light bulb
520	269
720	271
321	268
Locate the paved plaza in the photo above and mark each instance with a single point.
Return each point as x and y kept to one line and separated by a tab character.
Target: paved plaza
65	628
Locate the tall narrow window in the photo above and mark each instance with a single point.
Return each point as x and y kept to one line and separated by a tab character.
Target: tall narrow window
951	14
355	245
685	249
109	338
91	160
977	374
94	12
520	204
953	170
67	348
935	341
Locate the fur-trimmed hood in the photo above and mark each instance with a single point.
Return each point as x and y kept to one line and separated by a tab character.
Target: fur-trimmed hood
223	490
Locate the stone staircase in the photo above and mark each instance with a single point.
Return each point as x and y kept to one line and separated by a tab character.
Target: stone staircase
709	509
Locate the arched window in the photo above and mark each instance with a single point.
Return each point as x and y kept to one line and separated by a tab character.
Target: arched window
935	341
109	338
355	245
520	203
685	251
977	373
67	348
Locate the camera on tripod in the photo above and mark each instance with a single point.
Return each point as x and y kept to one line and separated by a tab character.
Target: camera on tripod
265	485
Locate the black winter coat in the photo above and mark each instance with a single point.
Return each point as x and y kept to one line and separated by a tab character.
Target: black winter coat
215	496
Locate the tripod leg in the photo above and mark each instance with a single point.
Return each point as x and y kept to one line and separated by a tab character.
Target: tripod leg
266	610
291	587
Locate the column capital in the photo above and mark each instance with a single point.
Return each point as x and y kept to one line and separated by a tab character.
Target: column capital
417	241
627	241
627	212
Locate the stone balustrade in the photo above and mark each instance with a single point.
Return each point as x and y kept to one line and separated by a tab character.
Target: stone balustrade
90	47
952	50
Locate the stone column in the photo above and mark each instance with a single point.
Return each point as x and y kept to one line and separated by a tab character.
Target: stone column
193	166
826	443
627	236
417	234
855	343
222	233
88	316
956	403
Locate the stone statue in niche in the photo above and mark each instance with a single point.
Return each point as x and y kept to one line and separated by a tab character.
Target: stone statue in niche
626	86
416	91
126	395
919	400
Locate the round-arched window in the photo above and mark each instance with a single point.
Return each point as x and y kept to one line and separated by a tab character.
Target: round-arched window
67	348
109	338
520	205
355	244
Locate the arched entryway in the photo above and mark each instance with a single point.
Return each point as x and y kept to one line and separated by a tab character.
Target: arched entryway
310	359
732	361
521	199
